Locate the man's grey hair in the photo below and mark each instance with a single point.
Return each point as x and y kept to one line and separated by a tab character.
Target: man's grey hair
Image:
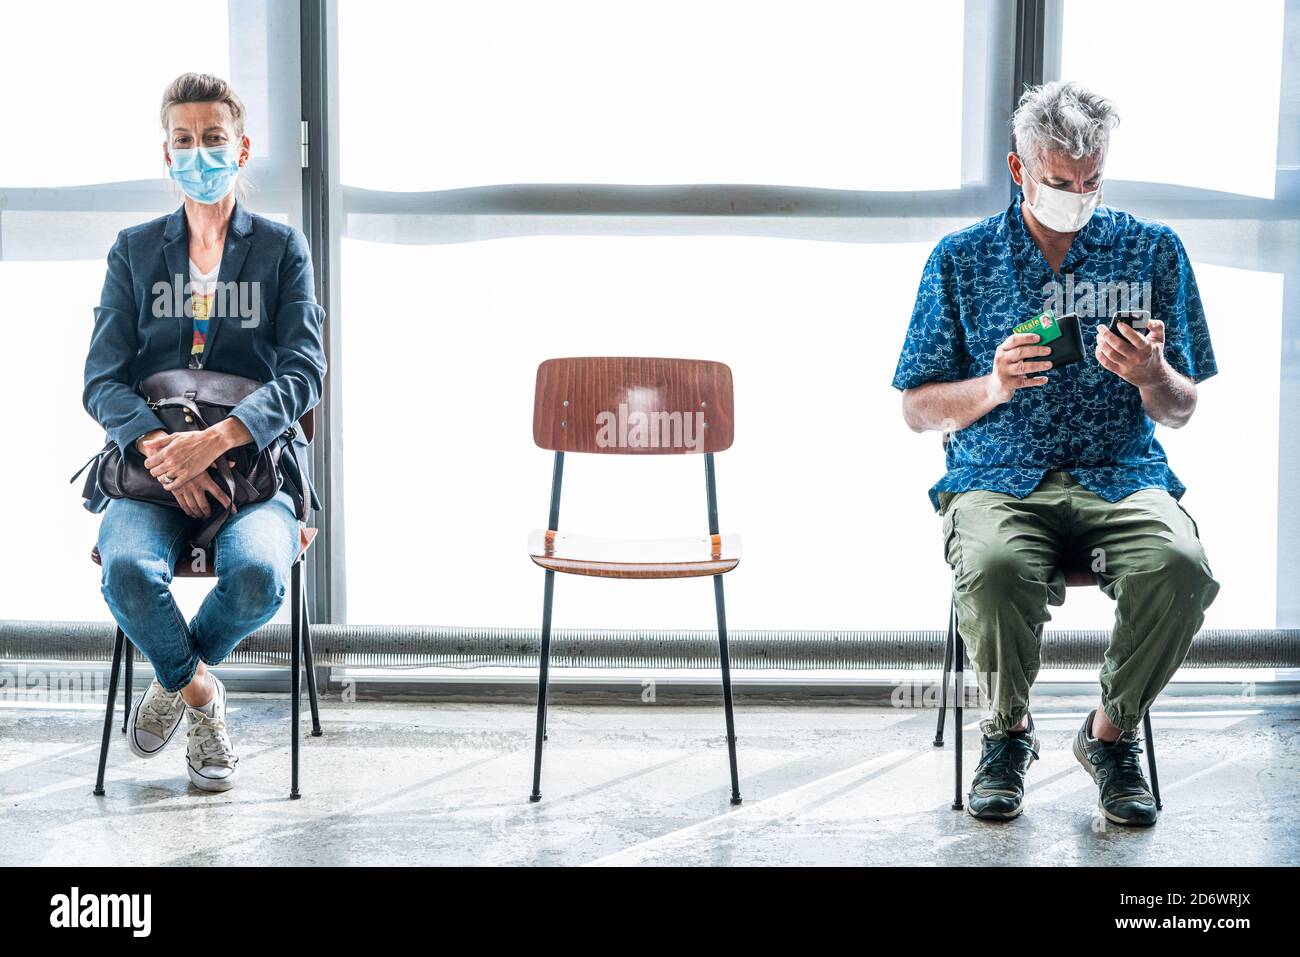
1062	117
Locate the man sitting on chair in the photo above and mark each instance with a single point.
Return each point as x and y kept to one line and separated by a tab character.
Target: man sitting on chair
1052	468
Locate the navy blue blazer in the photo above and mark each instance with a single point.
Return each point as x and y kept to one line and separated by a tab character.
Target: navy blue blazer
141	326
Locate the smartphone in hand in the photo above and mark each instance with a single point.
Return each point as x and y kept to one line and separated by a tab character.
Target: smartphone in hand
1137	319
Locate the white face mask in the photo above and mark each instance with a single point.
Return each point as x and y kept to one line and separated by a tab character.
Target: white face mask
1061	210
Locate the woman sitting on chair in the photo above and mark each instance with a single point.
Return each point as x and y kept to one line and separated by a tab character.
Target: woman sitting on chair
212	248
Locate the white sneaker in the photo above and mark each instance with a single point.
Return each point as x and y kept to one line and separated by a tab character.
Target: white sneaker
209	754
154	719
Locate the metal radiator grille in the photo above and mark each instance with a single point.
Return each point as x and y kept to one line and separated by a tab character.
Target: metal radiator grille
426	646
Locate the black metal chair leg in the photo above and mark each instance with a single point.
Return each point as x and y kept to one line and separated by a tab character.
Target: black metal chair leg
947	669
118	641
726	687
959	693
543	673
308	658
128	668
1151	760
296	675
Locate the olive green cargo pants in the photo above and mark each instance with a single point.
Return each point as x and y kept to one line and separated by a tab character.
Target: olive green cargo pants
1007	555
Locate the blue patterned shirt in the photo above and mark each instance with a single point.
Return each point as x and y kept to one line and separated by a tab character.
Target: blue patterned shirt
982	281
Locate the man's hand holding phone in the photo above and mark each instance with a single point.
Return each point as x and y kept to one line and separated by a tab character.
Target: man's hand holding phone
1015	364
1136	358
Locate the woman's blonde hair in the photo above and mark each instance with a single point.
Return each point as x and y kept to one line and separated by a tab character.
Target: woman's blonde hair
202	88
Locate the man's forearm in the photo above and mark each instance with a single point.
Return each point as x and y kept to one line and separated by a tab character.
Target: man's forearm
948	406
1170	400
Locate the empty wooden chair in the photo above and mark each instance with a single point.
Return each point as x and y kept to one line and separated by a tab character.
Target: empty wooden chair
633	406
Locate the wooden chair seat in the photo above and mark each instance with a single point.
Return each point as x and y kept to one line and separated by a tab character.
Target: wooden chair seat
185	561
634	558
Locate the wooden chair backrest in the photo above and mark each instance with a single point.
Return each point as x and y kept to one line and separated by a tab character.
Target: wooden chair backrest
633	406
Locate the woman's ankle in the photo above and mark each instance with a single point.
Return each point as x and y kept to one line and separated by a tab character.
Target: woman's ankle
199	691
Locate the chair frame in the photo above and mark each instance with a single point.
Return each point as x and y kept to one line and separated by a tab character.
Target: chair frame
954	661
548	596
300	629
719	437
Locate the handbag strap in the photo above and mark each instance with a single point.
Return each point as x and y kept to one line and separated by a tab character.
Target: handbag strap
106	448
209	529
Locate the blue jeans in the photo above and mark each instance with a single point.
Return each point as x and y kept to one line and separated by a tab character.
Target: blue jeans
139	546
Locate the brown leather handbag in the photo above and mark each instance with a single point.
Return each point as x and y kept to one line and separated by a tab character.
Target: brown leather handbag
188	400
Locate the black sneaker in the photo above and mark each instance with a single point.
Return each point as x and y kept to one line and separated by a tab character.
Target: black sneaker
1123	793
998	791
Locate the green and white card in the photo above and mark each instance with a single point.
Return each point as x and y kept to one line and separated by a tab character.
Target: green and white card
1044	324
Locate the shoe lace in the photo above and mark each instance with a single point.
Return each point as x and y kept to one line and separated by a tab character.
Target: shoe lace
157	710
1001	753
210	740
1124	764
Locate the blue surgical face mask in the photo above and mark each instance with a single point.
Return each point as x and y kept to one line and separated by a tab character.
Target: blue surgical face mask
206	173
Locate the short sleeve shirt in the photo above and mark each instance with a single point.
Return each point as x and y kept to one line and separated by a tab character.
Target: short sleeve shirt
982	281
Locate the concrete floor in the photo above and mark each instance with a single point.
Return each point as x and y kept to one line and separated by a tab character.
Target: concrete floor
447	783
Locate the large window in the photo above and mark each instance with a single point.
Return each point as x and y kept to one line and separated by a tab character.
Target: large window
499	183
457	281
807	303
